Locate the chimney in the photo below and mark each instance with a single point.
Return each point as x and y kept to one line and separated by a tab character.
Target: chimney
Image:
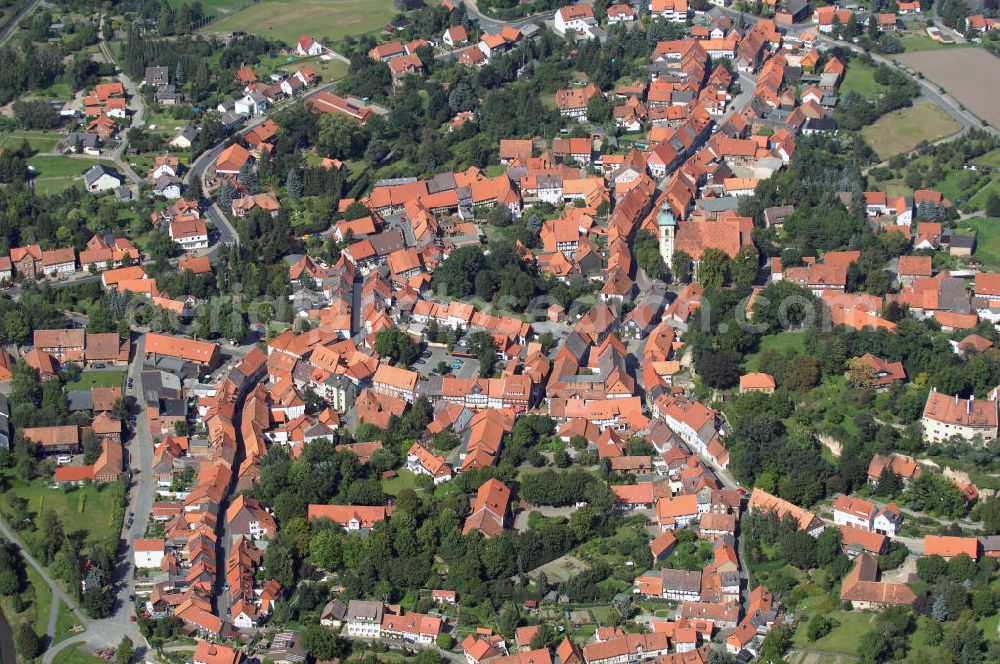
968	405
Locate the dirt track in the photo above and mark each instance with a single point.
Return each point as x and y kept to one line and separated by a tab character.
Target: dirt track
968	74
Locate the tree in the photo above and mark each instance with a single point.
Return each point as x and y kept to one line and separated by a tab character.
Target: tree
126	652
484	347
647	254
680	267
322	643
26	641
802	374
720	370
993	205
445	641
929	568
713	270
395	344
819	626
989	511
744	267
341	137
508	621
325	549
599	109
293	183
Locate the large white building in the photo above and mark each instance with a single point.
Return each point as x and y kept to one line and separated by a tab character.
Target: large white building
574	18
364	619
858	513
148	553
947	416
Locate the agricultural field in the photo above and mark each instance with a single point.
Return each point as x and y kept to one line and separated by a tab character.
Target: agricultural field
962	72
901	131
324	20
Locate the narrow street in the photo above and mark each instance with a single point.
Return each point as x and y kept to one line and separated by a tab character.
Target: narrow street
138	109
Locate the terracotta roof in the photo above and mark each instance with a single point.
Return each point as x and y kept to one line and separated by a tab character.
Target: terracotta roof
200	352
757	381
950	547
962	412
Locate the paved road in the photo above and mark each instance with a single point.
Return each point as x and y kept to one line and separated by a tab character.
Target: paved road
57	592
11	26
138	109
492	25
109	631
140	450
200	166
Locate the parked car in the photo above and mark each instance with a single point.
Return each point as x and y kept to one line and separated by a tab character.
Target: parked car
63	459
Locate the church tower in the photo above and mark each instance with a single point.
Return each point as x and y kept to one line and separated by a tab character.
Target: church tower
667	226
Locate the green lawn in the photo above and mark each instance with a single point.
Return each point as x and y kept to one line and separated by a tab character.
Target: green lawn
40	141
98	378
987	239
324	20
990	159
36	603
860	78
780	342
76	656
65	622
57	173
843	639
901	131
924	43
978	202
211	6
90	509
42	603
404	479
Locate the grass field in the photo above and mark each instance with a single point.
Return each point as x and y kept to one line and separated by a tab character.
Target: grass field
58	173
90	509
901	131
841	640
990	159
65	622
404	479
36	603
978	202
211	6
324	20
41	141
924	43
987	239
76	656
98	378
780	342
42	603
860	78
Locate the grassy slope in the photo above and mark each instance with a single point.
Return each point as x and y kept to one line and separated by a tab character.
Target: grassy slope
901	131
324	20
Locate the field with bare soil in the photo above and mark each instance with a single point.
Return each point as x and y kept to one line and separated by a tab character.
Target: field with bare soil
968	74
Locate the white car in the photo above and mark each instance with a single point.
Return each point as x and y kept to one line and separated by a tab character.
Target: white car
63	459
